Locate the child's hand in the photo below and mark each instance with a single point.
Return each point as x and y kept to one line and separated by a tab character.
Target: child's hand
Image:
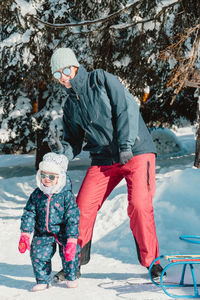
70	250
24	242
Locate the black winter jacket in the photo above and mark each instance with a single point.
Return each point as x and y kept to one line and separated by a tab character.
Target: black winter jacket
101	109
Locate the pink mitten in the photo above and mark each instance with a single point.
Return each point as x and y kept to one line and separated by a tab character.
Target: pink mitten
70	250
24	242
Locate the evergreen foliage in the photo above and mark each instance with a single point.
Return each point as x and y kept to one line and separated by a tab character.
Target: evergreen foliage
128	45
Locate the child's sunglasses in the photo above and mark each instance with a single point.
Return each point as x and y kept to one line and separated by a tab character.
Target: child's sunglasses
66	71
50	176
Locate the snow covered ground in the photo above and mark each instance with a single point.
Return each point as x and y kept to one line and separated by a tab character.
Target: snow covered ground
114	263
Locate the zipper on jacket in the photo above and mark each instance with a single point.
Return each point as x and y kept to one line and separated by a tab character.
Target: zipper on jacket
47	214
89	122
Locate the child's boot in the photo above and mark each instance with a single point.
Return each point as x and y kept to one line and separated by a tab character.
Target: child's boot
72	284
40	287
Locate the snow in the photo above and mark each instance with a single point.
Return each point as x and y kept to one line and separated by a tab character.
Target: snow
114	263
26	7
124	61
23	104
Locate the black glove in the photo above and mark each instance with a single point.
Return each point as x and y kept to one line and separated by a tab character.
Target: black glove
54	142
125	156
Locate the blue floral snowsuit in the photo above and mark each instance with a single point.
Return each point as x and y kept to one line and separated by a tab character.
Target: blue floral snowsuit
53	219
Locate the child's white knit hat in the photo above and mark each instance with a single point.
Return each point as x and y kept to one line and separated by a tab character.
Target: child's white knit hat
63	57
53	162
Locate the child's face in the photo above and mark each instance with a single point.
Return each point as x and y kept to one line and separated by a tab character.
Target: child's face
49	178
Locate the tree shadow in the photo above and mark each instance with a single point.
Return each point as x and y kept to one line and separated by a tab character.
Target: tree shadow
15	191
9	274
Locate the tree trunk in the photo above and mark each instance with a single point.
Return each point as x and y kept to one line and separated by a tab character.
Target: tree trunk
197	150
42	147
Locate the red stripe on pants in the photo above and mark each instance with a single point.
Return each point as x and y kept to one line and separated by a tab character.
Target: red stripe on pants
99	182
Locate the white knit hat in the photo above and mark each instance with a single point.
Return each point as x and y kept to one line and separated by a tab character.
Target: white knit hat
53	163
63	57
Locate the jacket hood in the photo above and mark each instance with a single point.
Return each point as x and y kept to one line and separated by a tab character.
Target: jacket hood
53	189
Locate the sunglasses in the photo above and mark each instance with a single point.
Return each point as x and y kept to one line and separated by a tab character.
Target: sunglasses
49	176
66	71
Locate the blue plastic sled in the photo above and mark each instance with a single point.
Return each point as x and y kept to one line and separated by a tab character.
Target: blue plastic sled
184	261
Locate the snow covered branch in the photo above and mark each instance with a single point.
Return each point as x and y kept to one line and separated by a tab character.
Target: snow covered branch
105	19
87	22
143	21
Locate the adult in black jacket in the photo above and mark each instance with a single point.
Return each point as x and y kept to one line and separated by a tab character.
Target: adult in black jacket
101	109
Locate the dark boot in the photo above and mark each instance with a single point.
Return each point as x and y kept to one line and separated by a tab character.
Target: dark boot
156	271
79	272
60	276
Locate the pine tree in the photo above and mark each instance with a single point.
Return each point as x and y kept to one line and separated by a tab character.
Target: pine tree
16	60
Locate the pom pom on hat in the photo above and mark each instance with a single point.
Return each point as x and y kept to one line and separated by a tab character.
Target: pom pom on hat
53	162
63	57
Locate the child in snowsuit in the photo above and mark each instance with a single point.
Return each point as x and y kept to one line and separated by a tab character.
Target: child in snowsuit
53	215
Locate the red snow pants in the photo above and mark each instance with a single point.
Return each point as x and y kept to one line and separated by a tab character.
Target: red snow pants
99	182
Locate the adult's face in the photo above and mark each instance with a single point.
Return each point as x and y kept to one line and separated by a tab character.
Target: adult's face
64	75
